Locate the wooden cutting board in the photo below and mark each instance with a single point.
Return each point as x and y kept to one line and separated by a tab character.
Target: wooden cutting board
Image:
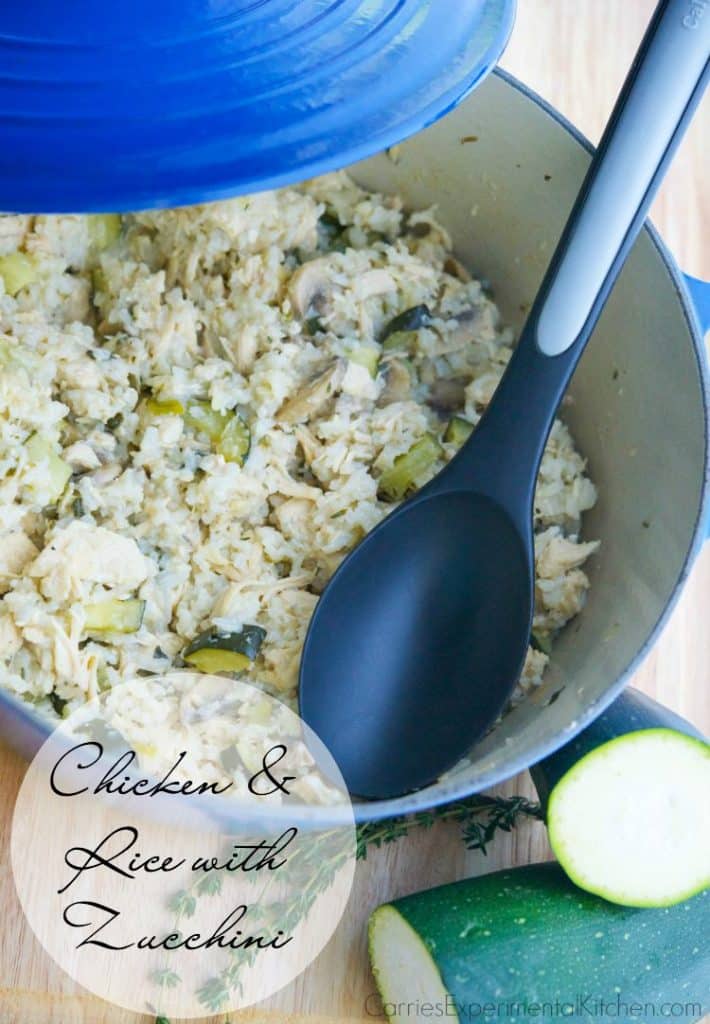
575	53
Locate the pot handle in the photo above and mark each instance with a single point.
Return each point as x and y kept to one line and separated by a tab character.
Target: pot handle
700	295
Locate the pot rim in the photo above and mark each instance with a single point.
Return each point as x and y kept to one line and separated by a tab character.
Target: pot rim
35	729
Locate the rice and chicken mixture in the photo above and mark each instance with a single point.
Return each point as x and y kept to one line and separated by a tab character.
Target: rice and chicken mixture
202	410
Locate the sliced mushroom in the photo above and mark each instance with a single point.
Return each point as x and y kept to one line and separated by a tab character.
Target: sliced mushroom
314	396
398	382
446	395
309	287
456	269
310	446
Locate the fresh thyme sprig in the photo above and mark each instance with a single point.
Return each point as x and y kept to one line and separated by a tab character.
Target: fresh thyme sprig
480	817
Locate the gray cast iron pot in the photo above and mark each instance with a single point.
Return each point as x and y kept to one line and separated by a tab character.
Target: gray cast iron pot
639	410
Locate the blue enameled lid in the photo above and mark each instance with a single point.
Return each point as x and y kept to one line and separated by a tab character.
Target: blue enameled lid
140	103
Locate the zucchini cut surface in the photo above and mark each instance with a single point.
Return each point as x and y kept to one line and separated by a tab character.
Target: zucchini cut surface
630	821
114	616
402	963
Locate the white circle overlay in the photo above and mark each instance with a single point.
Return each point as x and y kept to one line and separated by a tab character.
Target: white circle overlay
183	845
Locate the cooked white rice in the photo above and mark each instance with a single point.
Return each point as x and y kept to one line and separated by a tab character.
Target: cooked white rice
242	305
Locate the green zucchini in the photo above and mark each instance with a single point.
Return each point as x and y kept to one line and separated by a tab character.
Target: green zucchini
203	418
59	704
217	651
540	641
493	947
409	320
18	269
41	452
628	805
313	325
397	481
226	430
104	229
234	442
164	407
458	430
401	341
99	281
367	356
114	616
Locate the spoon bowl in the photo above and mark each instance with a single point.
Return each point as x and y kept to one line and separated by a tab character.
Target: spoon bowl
416	651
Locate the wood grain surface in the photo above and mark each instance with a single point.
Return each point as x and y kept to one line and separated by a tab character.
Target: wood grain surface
574	53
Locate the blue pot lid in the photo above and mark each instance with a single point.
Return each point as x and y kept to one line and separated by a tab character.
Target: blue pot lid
144	103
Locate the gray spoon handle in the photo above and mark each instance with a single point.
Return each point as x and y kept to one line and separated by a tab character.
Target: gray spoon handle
641	135
658	98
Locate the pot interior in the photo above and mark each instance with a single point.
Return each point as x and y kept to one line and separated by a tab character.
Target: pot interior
503	171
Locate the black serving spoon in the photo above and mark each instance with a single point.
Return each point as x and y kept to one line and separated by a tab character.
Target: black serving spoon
420	637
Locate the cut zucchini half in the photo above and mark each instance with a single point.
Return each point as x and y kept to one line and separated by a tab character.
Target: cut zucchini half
215	651
401	477
527	936
627	804
631	820
114	616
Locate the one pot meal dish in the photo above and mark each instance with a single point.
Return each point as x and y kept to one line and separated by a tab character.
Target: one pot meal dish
203	410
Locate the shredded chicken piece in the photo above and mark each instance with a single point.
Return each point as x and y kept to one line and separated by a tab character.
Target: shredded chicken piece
556	555
292	517
310	446
81	552
10	637
374	282
559	600
13	229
